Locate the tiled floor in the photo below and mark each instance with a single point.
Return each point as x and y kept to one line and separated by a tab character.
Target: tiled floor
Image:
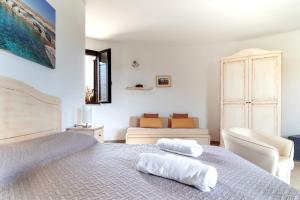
295	178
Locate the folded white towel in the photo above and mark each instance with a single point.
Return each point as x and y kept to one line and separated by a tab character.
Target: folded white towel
182	169
184	147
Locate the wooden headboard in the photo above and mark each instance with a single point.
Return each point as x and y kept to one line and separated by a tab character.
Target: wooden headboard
26	113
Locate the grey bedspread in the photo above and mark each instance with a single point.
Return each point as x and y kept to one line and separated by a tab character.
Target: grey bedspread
107	171
18	159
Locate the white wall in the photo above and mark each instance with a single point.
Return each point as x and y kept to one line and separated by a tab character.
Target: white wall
187	94
67	80
196	78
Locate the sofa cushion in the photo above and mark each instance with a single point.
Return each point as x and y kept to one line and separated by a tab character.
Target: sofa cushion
182	123
180	115
151	123
151	115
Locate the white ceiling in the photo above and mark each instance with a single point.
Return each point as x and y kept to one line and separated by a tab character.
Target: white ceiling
189	21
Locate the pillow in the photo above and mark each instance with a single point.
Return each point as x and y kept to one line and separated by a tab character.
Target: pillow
182	123
151	123
180	115
150	115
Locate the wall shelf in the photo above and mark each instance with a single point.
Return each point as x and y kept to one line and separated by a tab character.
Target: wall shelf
139	89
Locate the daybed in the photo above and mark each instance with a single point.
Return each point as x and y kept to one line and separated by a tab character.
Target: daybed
137	135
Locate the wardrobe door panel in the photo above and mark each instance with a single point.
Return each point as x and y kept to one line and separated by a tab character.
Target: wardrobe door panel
264	118
265	78
235	82
234	115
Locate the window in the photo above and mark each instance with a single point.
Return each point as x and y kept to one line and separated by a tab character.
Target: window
98	76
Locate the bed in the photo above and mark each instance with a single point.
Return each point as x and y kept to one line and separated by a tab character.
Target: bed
45	164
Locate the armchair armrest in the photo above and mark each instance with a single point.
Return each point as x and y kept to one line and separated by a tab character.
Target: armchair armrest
259	153
284	146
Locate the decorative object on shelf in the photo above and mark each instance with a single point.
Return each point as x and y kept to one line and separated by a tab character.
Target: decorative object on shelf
135	64
138	88
28	30
163	81
139	85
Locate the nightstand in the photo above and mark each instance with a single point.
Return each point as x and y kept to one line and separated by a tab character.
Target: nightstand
96	131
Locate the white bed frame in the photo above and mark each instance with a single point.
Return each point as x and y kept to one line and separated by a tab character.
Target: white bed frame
26	113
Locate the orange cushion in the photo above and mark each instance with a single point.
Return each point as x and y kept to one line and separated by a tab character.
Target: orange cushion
151	123
180	115
151	115
182	123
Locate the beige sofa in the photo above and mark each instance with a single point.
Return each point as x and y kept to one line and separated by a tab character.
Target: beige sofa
272	153
136	135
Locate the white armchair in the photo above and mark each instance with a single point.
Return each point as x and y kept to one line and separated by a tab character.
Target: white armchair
272	153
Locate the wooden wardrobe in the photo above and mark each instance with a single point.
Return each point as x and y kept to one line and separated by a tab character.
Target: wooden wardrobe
251	91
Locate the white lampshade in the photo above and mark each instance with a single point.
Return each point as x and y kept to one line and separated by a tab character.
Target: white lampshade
87	115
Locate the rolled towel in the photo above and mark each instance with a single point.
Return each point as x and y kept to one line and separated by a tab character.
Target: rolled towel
183	147
182	169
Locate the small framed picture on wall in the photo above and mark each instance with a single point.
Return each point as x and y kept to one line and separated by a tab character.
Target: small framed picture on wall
163	81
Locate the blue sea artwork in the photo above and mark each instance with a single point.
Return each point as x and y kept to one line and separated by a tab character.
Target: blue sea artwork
27	29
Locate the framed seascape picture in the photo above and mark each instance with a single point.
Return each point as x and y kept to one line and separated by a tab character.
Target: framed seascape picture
163	81
27	29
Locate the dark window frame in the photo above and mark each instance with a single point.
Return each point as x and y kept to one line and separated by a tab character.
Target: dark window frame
97	90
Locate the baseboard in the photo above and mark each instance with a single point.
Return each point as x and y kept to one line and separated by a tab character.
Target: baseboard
114	141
